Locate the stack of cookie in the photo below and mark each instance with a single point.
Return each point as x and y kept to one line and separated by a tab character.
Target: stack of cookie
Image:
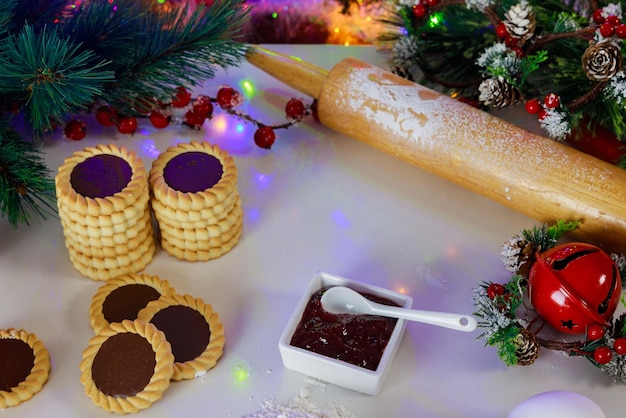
195	201
103	202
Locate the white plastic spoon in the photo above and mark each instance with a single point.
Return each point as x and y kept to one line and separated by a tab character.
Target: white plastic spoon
343	300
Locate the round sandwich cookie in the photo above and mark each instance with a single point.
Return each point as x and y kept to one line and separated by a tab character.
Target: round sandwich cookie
127	366
101	180
123	297
193	176
217	226
124	218
193	329
208	215
195	244
97	268
24	366
102	247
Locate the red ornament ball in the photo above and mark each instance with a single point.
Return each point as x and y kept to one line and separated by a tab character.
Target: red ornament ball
228	97
552	101
573	286
607	30
602	354
106	116
159	120
597	16
619	345
533	106
420	10
127	125
431	3
264	137
295	109
75	130
620	31
495	289
182	97
595	332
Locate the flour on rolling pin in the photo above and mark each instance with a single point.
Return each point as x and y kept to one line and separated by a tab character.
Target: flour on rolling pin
534	175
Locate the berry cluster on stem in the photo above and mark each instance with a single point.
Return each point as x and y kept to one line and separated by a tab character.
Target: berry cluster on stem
195	111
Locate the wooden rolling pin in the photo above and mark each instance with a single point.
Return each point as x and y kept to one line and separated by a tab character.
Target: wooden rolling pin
531	174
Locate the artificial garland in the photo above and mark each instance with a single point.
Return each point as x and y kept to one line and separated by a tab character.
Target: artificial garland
183	109
510	320
564	63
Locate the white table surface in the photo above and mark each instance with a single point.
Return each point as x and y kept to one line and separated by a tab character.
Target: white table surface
317	201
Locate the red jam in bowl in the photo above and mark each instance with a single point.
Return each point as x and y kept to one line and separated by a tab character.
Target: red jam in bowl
356	339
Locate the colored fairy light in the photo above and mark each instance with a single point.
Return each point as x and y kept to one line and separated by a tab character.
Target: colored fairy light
248	87
240	374
240	128
219	123
274	15
435	19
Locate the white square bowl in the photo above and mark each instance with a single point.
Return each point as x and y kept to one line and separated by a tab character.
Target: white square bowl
335	371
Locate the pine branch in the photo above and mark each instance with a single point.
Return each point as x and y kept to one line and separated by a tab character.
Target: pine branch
177	50
25	186
49	75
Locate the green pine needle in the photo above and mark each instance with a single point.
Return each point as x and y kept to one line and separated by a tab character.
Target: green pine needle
26	189
546	237
49	75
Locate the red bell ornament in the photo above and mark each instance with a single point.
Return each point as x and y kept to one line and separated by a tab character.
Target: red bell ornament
574	285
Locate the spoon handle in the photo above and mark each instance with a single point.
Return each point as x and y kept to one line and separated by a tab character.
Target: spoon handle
443	319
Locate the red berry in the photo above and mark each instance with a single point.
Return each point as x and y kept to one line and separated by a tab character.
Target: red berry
613	20
295	109
602	354
431	3
194	118
159	120
495	289
182	97
533	106
203	106
607	30
420	10
595	332
264	137
511	42
106	116
228	97
127	125
552	101
501	31
75	130
597	16
620	31
619	346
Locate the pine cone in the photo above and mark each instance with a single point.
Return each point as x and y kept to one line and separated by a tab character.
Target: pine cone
497	93
402	72
601	61
518	255
527	347
521	21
